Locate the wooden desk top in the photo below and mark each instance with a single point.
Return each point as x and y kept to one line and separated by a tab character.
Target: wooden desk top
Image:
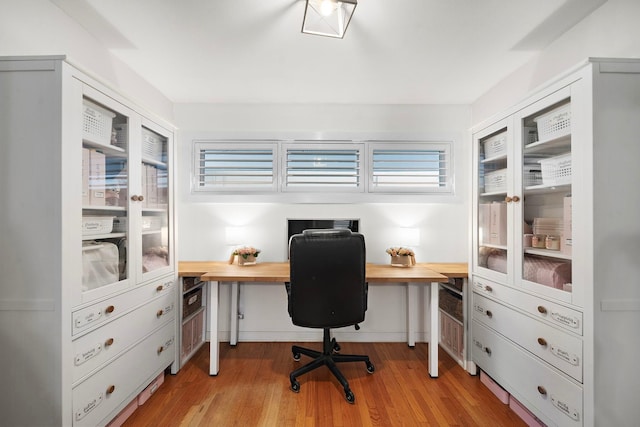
279	272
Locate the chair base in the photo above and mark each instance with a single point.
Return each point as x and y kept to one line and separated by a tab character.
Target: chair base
327	357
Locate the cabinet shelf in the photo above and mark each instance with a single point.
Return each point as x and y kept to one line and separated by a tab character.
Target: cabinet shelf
542	189
104	208
494	159
104	236
552	146
547	253
157	163
112	150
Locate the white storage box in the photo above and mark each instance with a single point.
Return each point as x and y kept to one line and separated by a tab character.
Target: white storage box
531	175
122	135
152	145
151	223
100	264
495	145
96	123
555	123
92	225
495	181
556	170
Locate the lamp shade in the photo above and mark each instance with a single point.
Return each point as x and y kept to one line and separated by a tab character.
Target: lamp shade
328	17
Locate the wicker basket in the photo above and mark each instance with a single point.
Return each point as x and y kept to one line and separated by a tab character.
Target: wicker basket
555	123
96	123
556	170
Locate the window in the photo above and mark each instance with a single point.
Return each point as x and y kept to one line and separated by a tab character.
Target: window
234	166
336	169
322	167
410	167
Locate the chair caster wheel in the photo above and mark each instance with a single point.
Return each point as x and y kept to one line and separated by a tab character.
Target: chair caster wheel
295	386
370	367
296	357
351	398
336	346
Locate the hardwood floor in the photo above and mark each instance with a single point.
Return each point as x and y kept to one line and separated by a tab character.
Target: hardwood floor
252	389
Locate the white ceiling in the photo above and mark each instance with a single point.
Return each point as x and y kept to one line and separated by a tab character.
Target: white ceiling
394	51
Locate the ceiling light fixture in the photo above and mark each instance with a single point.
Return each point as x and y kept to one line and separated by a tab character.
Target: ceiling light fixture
328	17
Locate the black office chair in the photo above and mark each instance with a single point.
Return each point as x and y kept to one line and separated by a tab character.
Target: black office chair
327	290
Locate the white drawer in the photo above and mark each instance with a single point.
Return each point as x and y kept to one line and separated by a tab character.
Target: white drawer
120	381
554	398
92	350
98	313
559	348
536	307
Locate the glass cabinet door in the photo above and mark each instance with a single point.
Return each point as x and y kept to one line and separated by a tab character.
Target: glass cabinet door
105	189
544	265
155	248
491	241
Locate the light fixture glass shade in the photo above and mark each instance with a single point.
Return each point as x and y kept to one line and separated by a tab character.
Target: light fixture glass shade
328	17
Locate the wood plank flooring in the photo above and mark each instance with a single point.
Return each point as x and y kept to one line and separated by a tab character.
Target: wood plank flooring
252	389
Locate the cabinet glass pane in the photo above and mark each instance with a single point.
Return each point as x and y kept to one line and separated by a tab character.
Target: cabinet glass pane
492	209
105	211
155	210
546	181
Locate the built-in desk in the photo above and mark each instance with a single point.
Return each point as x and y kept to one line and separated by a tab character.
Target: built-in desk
215	272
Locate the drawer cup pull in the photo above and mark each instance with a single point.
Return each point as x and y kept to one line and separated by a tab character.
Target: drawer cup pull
487	350
160	313
110	309
542	342
160	288
160	349
489	314
542	390
111	389
542	310
108	342
488	288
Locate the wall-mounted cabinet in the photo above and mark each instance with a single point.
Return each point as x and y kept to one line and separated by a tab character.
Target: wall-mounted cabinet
87	225
553	263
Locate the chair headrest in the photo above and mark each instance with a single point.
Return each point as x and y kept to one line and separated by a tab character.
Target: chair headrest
326	233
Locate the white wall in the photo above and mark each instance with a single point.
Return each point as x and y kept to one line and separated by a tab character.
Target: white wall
38	27
443	221
610	31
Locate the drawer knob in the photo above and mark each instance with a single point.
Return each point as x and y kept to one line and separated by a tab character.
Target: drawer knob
488	288
542	390
110	309
111	389
160	349
160	313
487	350
542	342
160	288
489	314
108	342
542	310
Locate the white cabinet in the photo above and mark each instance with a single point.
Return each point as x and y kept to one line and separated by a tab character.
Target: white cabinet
88	303
555	247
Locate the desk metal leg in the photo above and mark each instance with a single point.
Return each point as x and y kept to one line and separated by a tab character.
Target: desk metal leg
434	338
214	346
235	295
412	298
